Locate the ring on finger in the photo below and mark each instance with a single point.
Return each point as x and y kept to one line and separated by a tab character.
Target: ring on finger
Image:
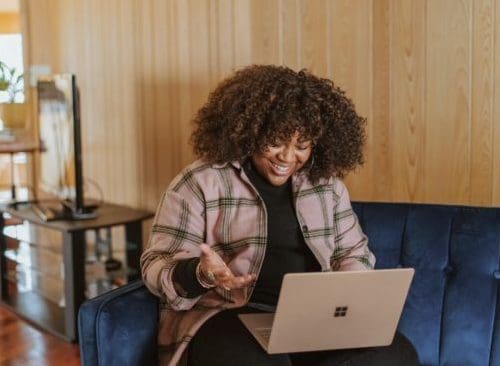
211	276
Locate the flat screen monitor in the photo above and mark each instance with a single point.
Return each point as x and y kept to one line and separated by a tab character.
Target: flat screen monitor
59	127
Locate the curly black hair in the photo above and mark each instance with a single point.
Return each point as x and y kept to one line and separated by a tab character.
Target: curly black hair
260	105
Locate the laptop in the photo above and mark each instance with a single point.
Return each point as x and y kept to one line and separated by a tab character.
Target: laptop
333	310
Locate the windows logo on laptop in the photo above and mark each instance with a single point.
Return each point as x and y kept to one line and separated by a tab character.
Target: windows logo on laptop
340	311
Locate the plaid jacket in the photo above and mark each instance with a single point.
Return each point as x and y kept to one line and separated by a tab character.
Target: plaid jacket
217	205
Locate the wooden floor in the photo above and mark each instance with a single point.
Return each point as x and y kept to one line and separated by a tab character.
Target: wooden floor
23	344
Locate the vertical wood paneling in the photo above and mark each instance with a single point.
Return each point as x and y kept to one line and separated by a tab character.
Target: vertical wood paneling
127	80
185	78
44	25
496	110
290	31
424	73
157	61
351	58
448	103
243	39
313	36
481	175
265	23
85	80
114	118
226	35
95	91
146	62
381	138
215	73
199	28
407	104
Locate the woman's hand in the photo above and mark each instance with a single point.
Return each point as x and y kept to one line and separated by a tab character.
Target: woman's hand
216	272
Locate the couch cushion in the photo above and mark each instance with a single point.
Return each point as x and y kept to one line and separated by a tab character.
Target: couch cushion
450	312
471	289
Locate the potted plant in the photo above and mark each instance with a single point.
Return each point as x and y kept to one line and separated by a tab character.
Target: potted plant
12	114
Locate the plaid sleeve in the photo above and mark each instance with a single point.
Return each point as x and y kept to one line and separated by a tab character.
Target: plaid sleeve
177	232
351	244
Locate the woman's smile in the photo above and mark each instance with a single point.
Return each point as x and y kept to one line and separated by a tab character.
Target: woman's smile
279	162
281	169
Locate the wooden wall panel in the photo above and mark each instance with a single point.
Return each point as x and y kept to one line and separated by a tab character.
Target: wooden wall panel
290	31
380	148
161	92
351	68
242	47
495	162
407	101
481	174
448	100
424	73
313	44
265	31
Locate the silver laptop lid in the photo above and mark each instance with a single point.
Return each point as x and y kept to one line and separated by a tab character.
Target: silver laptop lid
336	310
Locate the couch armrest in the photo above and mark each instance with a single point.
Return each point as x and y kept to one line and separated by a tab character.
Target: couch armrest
119	327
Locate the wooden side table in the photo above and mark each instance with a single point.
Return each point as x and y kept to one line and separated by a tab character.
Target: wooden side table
56	253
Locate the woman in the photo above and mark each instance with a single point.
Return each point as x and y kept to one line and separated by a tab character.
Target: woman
264	199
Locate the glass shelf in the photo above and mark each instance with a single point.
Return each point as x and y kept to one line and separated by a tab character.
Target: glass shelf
40	260
34	235
26	280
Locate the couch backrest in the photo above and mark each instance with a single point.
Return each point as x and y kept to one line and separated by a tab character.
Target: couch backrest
452	314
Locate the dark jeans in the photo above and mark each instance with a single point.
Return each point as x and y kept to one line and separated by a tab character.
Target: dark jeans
224	340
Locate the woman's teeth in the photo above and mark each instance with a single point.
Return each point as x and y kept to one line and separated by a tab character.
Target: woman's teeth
282	169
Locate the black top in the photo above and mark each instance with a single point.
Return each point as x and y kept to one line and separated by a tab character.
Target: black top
286	250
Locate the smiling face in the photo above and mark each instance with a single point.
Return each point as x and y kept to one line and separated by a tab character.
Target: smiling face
279	162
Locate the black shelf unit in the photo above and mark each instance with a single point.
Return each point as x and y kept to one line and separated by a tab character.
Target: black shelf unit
59	317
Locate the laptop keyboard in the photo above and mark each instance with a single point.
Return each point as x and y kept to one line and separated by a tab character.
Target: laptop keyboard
264	333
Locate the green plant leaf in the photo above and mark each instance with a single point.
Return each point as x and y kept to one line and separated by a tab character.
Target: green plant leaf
10	81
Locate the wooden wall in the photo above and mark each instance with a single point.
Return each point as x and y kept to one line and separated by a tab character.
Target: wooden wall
424	73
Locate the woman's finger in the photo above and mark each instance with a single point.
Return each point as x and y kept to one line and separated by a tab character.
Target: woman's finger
210	256
205	249
235	282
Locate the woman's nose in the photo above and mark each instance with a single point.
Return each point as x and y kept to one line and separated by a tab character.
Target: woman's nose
286	154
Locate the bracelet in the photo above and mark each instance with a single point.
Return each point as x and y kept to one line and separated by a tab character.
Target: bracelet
200	277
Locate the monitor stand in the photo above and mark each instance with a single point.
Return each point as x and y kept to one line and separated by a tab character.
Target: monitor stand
85	213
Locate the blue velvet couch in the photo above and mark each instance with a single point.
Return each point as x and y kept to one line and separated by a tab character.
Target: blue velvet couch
452	314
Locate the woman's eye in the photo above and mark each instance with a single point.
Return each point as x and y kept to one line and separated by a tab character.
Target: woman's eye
303	147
